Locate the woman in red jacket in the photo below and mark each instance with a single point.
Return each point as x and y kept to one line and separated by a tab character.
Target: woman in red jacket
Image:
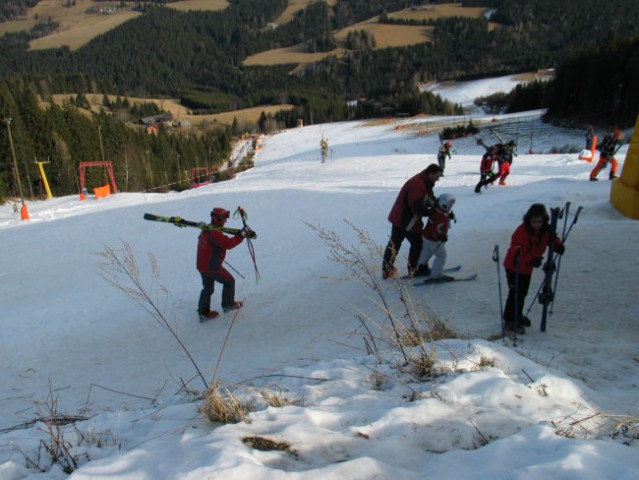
211	251
527	246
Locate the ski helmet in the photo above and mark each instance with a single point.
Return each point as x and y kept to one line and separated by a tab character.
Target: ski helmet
218	214
446	201
449	144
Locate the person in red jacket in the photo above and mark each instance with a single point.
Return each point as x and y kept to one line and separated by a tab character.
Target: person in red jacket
211	251
415	200
527	247
435	235
487	175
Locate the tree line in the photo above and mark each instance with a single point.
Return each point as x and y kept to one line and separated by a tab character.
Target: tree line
64	136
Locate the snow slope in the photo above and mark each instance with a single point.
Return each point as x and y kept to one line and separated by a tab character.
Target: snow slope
494	412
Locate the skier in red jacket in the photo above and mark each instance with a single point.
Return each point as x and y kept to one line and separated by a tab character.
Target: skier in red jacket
211	251
529	243
415	200
435	235
487	175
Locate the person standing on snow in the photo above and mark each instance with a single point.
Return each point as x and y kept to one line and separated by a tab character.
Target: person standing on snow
590	136
608	148
211	251
444	151
435	235
414	201
527	246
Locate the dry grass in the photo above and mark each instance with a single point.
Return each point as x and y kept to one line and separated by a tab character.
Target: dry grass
222	406
295	6
187	5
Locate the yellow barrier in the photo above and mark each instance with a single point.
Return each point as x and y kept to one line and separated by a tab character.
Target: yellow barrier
624	192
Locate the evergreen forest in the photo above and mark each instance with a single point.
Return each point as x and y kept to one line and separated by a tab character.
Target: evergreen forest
198	57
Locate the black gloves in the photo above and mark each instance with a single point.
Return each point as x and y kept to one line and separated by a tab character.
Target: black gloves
560	249
451	215
536	262
443	238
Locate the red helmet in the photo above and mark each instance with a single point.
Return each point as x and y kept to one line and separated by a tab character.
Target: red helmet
219	215
449	144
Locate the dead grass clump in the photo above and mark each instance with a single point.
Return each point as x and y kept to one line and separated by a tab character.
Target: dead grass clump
267	445
278	400
422	365
223	407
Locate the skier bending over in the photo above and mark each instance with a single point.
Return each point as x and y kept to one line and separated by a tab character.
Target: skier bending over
486	173
211	251
413	202
528	242
435	235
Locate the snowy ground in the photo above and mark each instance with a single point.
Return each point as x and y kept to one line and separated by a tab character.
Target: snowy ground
496	411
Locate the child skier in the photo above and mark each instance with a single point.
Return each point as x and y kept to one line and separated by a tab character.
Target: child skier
435	235
211	251
527	246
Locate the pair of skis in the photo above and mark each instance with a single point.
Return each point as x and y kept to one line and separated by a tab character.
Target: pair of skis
443	279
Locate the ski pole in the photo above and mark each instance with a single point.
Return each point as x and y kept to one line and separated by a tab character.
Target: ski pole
563	239
235	270
501	307
563	235
242	213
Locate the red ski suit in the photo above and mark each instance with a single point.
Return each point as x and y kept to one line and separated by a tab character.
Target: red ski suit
531	246
211	250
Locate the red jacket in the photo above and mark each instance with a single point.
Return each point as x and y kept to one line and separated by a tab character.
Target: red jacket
487	162
531	246
211	250
411	203
437	225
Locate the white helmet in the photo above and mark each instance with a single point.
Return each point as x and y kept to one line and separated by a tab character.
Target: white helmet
446	202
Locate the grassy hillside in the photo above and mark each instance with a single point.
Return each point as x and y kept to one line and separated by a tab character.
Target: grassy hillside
84	20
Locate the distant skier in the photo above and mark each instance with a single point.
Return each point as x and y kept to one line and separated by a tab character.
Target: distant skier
444	151
506	153
486	173
608	148
590	137
414	201
528	243
435	235
211	251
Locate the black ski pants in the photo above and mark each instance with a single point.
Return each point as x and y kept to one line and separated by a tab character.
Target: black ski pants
515	295
395	242
208	287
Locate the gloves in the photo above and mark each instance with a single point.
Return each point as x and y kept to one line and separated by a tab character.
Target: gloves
443	238
246	232
536	262
451	215
560	249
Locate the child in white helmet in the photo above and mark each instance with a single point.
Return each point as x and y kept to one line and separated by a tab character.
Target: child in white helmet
435	235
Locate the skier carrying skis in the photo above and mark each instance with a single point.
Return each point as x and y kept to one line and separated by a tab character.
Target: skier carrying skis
211	251
486	173
435	235
444	151
608	148
506	153
527	246
414	201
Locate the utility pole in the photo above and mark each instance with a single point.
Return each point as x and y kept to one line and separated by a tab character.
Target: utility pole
24	212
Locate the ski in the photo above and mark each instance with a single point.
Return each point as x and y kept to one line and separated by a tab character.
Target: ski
445	279
546	294
181	222
456	268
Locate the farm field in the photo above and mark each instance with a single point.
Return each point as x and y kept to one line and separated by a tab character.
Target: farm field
79	23
250	115
386	35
